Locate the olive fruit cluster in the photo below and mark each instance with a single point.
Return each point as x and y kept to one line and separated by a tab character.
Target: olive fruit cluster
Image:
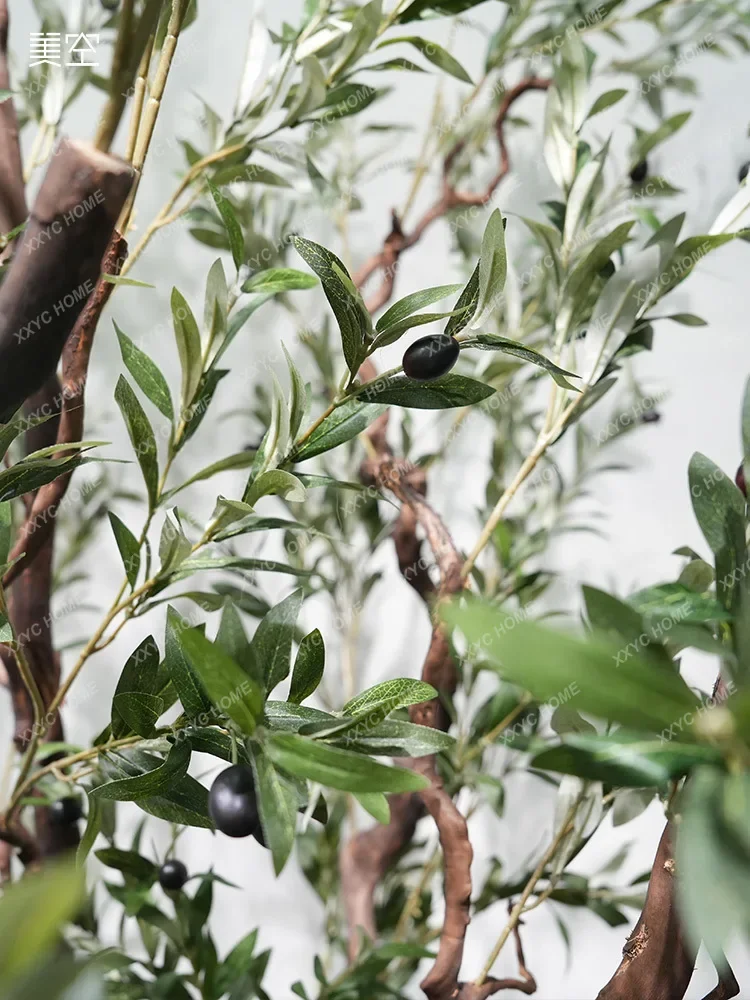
172	875
233	804
430	357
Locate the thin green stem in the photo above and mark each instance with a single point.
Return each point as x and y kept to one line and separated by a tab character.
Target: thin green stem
517	910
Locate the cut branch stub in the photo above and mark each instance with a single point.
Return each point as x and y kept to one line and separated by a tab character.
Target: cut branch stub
56	265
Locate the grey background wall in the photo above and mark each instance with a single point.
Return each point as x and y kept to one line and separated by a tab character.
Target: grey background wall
648	512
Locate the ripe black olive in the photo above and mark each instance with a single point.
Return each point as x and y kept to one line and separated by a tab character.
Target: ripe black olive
639	173
232	803
66	812
651	417
172	875
430	357
740	480
743	171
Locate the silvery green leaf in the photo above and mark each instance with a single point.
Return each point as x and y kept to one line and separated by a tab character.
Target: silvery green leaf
571	81
188	346
581	196
312	90
560	144
363	32
493	266
276	482
623	297
254	74
736	213
297	396
216	303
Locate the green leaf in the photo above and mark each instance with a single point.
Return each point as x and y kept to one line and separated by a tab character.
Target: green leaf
232	226
128	547
335	768
343	424
232	639
94	823
184	801
434	53
448	391
376	804
151	782
32	914
200	563
147	376
578	282
288	717
685	257
135	705
279	279
129	863
625	759
308	667
678	603
493	267
713	857
272	642
466	305
188	346
141	436
186	683
240	460
277	804
606	100
275	482
393	738
712	494
668	127
684	319
228	686
599	678
26	476
390	695
411	304
491	342
349	309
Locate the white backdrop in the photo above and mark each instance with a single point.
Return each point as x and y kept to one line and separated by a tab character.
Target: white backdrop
648	511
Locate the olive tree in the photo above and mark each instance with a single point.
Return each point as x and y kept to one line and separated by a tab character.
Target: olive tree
229	715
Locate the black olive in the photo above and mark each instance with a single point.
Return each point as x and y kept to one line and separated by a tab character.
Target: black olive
66	812
607	270
639	173
172	875
740	480
430	357
651	417
743	171
232	803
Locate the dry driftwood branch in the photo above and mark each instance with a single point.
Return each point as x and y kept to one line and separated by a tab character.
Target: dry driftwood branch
12	196
367	856
658	962
40	519
56	265
397	241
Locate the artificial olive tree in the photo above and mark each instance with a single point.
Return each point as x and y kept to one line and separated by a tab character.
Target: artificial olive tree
228	715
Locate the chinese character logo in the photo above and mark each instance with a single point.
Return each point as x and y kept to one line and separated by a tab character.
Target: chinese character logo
44	49
82	51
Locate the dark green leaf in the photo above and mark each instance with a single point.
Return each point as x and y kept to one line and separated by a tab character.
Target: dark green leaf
277	805
448	391
141	436
279	279
230	689
491	342
272	642
343	424
308	667
151	782
232	226
335	768
128	547
713	494
147	376
187	685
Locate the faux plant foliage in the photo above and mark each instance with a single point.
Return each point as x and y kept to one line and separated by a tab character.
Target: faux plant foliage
253	673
